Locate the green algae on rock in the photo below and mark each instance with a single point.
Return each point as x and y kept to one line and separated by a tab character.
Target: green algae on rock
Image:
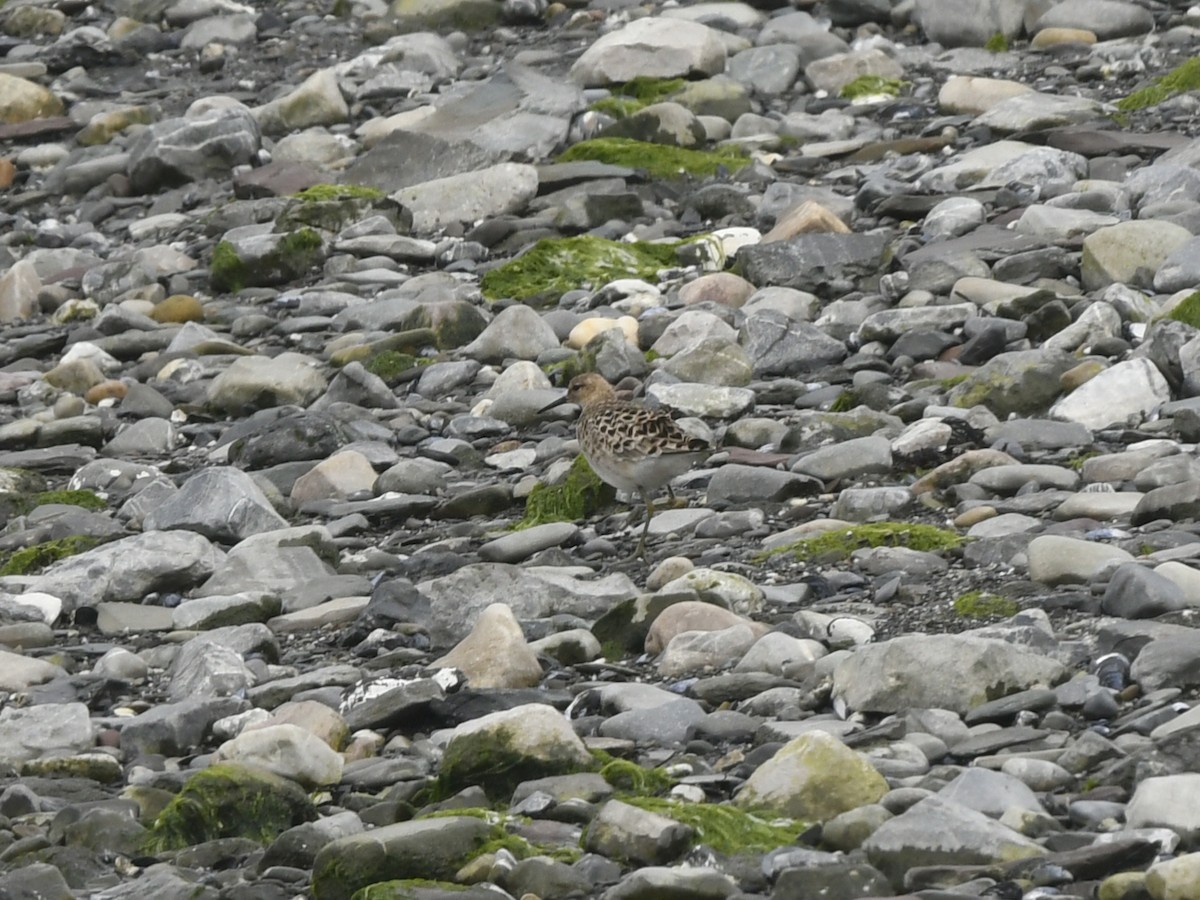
1187	310
726	829
580	494
1181	79
37	557
230	800
841	542
390	365
433	848
659	160
500	750
332	207
288	257
553	266
871	86
639	93
982	605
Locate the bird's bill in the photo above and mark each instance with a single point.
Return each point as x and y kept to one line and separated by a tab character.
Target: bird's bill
553	403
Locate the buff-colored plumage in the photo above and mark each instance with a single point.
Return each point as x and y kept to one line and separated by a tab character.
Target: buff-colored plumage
629	446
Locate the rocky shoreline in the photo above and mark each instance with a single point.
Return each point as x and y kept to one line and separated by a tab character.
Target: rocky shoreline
303	594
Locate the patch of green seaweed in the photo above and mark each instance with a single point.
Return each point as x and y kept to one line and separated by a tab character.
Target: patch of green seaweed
841	542
1183	78
658	160
579	495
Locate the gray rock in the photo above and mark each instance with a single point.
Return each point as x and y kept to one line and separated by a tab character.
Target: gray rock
640	837
936	832
737	484
651	882
424	848
456	599
651	47
174	729
954	672
222	503
212	137
129	569
39	731
779	345
1107	19
255	382
991	793
1129	253
972	24
207	669
1135	592
1165	802
1172	662
825	264
494	191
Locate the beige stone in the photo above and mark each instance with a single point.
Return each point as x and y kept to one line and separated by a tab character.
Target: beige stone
495	654
22	100
1049	37
967	95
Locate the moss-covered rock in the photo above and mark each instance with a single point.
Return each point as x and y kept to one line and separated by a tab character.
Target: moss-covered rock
726	829
657	160
332	207
37	557
626	99
422	848
814	776
423	889
230	800
1024	382
982	605
1187	310
500	750
390	365
1181	79
579	495
553	266
265	260
841	542
872	86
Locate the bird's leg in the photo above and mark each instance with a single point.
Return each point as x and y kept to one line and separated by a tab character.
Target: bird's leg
641	547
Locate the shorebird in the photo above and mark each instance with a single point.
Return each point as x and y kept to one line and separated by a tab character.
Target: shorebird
633	448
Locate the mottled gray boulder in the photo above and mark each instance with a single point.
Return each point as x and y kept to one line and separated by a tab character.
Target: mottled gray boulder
937	832
1129	253
255	382
1167	801
636	836
991	793
780	345
1168	662
1107	19
54	729
174	729
1024	382
213	136
222	503
1136	592
958	23
204	668
495	191
955	672
824	264
130	568
518	332
733	484
650	47
458	598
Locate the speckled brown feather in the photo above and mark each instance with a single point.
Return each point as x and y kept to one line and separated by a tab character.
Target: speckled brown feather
628	431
